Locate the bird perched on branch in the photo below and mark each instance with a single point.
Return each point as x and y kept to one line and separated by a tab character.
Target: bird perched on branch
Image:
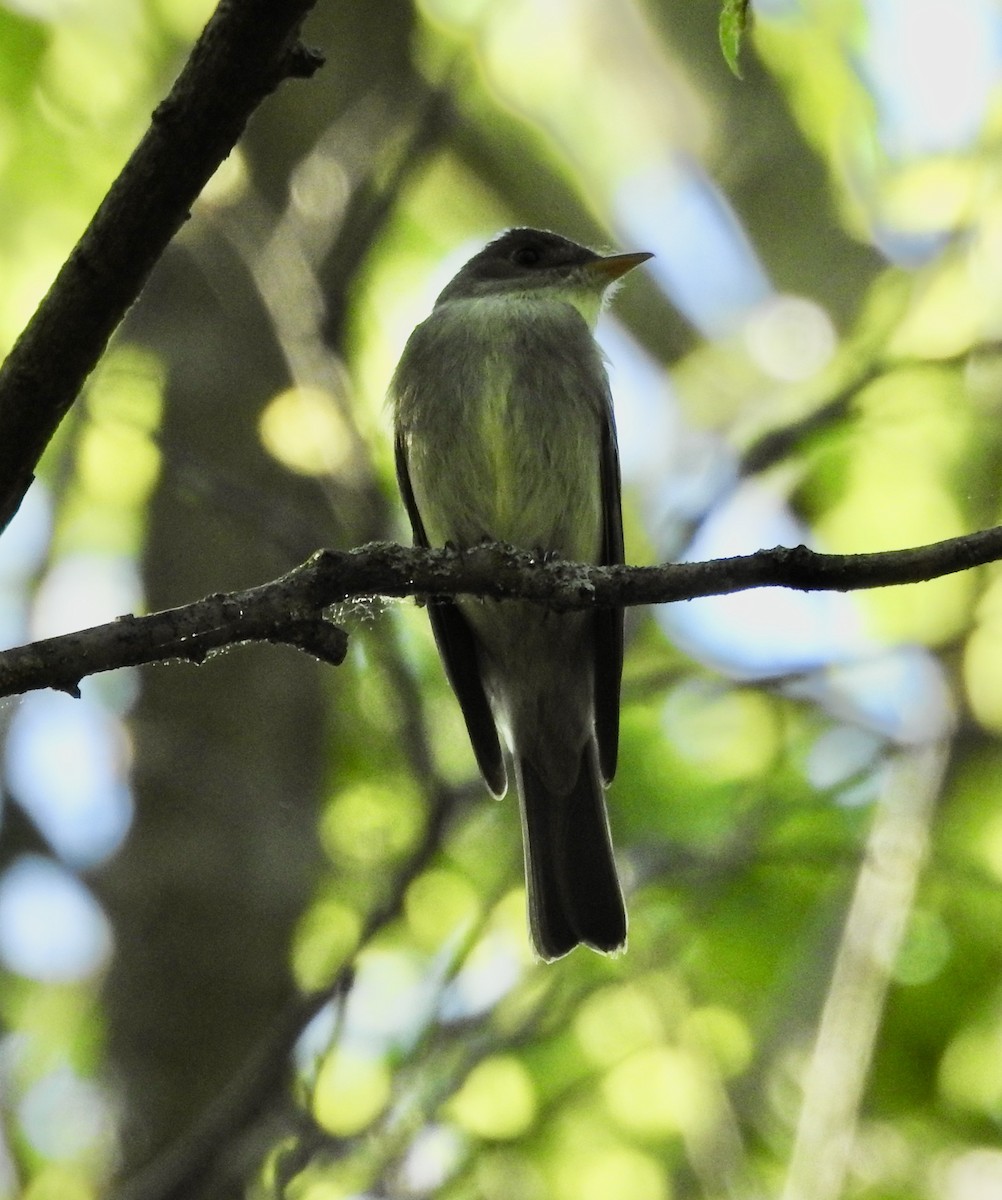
505	432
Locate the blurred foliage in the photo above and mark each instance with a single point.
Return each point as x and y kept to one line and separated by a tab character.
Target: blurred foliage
807	811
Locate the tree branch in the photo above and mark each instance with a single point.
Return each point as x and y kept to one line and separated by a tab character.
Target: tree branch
244	52
292	609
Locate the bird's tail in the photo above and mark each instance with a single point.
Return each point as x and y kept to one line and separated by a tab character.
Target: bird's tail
574	892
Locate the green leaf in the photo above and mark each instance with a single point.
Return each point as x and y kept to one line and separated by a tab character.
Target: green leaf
733	22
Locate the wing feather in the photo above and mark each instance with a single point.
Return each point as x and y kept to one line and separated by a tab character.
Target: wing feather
609	621
457	646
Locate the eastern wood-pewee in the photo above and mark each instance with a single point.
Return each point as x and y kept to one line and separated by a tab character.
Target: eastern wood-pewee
505	431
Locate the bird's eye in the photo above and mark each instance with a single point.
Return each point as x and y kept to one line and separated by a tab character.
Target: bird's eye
527	256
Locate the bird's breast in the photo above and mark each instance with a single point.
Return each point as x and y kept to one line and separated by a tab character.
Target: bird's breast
504	430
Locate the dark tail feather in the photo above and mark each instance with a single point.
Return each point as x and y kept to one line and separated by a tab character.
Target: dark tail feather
574	892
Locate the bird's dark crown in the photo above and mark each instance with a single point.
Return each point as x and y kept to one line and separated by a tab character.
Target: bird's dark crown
523	258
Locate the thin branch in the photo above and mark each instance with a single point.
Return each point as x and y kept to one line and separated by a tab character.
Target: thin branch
244	52
184	1167
292	609
776	445
189	633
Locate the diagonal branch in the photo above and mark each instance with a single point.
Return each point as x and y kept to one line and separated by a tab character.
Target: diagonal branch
292	609
875	926
244	52
183	1169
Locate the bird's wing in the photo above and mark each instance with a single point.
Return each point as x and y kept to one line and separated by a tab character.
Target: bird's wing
458	649
609	621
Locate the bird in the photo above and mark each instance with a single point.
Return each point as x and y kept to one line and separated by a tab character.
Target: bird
504	432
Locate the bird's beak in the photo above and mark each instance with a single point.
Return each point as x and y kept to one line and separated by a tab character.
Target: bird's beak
615	265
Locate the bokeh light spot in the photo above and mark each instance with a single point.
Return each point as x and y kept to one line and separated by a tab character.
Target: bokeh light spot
351	1091
439	904
497	1100
303	429
659	1092
372	823
51	928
